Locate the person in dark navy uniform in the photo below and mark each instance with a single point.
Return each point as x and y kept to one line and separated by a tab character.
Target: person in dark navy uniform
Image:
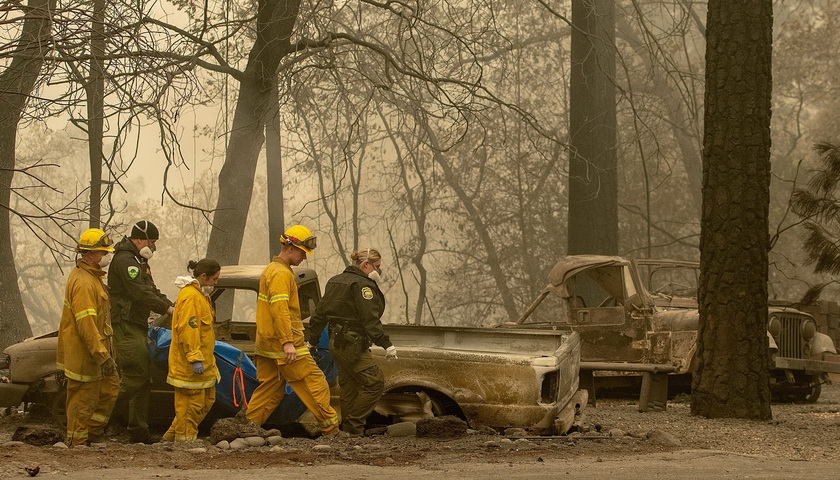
352	306
133	296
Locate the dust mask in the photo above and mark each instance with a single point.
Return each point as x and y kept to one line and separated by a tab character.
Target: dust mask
148	252
105	260
375	275
207	290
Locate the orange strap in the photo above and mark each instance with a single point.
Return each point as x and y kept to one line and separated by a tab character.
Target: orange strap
239	374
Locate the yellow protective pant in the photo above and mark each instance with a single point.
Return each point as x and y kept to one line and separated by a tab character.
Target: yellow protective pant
305	378
191	406
89	407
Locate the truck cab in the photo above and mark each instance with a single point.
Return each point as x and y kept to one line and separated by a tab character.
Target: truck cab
638	317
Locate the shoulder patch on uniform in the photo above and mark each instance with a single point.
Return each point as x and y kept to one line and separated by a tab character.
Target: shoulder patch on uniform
193	322
133	271
367	293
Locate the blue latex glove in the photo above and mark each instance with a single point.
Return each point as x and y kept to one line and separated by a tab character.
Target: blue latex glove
198	367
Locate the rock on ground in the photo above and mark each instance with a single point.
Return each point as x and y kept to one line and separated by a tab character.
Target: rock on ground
441	427
402	429
663	438
255	441
238	444
232	428
37	435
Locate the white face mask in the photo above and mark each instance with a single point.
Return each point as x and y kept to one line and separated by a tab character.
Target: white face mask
207	290
375	275
105	260
147	252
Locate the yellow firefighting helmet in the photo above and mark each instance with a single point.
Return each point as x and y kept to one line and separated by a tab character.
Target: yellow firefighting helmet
94	239
300	237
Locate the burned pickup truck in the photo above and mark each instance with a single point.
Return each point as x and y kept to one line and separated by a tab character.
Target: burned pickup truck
515	378
639	318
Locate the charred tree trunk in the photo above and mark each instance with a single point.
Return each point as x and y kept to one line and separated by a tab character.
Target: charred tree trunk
593	187
275	21
274	174
16	83
732	378
95	91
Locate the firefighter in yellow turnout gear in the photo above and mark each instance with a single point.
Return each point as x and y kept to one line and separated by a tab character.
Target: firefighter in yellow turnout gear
84	351
281	354
192	366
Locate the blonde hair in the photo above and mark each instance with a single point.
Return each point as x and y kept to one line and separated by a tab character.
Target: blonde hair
367	254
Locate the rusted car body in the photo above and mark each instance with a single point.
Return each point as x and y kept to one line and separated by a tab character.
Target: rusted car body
28	373
514	378
640	317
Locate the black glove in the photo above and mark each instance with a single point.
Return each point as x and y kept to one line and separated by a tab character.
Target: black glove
108	367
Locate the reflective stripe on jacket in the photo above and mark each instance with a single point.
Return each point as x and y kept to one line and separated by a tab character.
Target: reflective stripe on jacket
278	312
193	340
84	335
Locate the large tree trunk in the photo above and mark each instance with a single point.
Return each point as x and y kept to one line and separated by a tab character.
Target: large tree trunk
274	174
732	378
16	83
275	20
593	187
95	92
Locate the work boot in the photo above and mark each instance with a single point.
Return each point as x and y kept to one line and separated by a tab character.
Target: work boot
96	438
140	436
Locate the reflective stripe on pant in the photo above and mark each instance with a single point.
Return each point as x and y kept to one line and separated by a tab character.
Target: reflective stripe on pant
305	378
191	406
362	384
89	407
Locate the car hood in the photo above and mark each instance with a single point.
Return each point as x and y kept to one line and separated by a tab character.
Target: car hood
39	343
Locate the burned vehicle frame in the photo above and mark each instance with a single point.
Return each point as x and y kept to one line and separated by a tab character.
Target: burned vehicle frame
639	319
516	378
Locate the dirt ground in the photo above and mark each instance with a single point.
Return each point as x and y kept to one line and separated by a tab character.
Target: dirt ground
802	439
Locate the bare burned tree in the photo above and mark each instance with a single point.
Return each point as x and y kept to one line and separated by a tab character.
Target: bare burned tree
16	83
62	51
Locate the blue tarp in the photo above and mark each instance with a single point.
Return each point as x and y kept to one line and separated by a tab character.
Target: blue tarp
228	358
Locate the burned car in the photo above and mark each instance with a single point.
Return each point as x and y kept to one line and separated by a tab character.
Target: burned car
639	318
518	378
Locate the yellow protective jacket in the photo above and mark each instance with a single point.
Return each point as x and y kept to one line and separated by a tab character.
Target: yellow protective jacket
193	339
278	312
84	335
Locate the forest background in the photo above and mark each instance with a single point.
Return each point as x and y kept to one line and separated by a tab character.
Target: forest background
434	131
